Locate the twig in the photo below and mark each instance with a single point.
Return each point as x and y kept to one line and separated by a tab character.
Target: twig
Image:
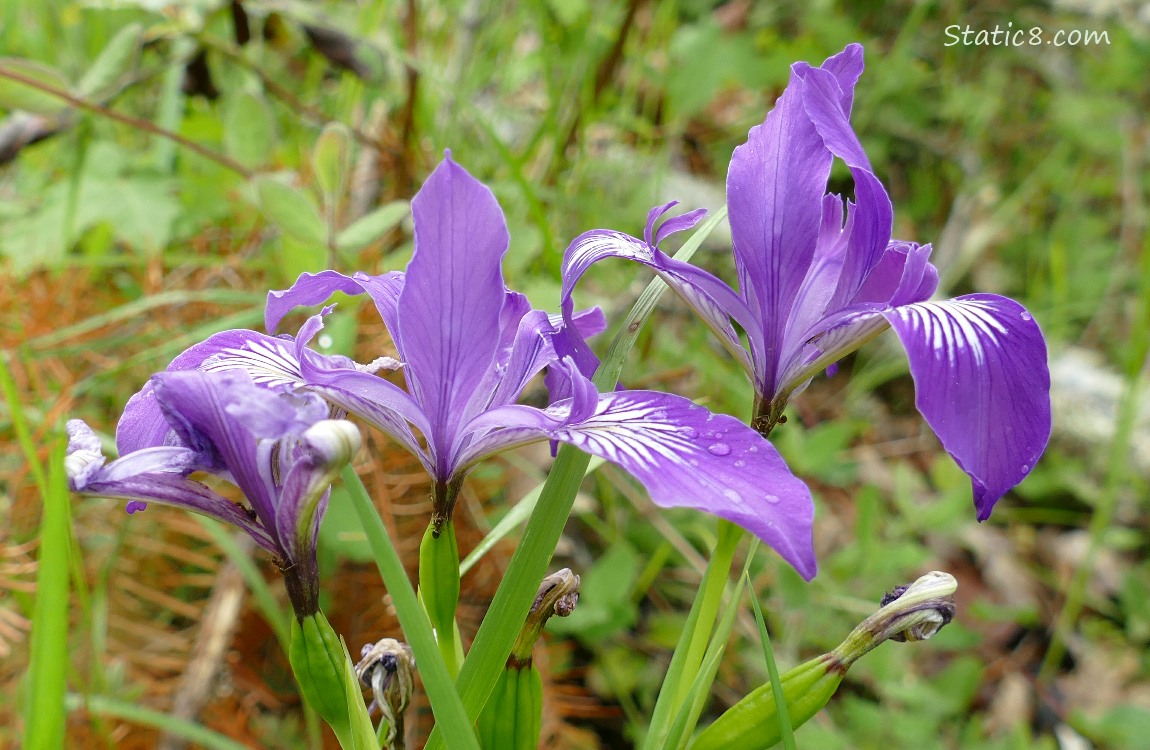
300	107
135	122
406	164
603	75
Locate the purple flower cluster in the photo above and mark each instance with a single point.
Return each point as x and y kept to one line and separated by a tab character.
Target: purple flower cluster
256	409
814	286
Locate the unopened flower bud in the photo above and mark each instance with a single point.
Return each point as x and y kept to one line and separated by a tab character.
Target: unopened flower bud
558	594
333	441
909	613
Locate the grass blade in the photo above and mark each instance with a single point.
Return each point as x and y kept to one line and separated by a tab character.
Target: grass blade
785	729
137	714
48	666
437	682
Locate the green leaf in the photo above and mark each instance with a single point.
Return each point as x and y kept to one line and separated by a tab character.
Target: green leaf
509	522
18	95
291	210
360	732
249	130
114	62
785	729
44	717
330	160
370	227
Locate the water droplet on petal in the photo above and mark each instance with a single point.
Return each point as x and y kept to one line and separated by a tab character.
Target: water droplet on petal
719	449
1026	315
1025	467
690	432
740	463
772	499
659	415
753	449
733	496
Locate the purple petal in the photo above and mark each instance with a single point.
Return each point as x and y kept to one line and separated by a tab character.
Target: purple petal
384	291
867	236
85	463
982	383
677	224
142	425
178	492
714	301
381	403
308	290
313	289
196	405
452	296
847	68
688	457
265	419
775	186
323	451
823	101
903	275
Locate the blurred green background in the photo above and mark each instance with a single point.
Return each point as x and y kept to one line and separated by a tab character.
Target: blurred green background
175	181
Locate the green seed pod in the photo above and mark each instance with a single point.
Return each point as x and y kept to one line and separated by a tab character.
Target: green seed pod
909	613
513	716
753	722
529	719
319	660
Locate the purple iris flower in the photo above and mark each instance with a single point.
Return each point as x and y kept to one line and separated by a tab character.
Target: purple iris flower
469	347
813	287
280	449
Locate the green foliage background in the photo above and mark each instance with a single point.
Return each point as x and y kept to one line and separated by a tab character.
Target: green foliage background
1026	166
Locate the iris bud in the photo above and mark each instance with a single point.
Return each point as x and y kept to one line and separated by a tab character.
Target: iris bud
909	613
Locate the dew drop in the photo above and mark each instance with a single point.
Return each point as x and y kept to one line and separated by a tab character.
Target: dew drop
733	496
740	463
1025	467
659	414
1026	315
772	499
753	449
719	449
690	433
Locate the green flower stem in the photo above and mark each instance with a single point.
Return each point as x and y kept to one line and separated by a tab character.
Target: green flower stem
317	657
449	711
692	645
505	616
488	655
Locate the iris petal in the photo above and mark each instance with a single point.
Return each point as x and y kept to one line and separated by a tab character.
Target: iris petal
982	383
